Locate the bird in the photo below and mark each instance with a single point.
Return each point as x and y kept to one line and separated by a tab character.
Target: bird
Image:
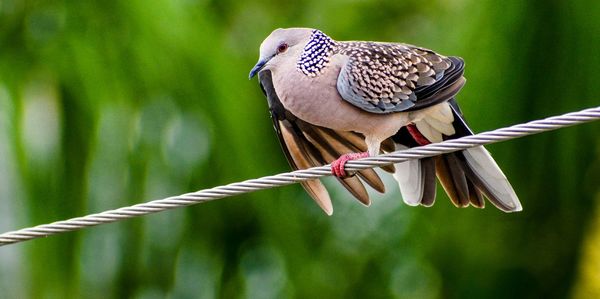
333	101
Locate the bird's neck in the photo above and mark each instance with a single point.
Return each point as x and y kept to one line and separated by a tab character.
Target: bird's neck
316	54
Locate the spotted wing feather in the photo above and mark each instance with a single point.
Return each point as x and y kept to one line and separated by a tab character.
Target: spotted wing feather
388	77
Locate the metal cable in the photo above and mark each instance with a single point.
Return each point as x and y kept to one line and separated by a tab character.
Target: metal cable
520	130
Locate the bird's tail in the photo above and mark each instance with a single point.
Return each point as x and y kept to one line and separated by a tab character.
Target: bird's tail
465	175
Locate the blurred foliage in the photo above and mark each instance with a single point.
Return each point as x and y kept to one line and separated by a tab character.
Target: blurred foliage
110	103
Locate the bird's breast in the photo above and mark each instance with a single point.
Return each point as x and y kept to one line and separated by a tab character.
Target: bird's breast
315	99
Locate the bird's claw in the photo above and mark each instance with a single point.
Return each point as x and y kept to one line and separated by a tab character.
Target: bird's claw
337	166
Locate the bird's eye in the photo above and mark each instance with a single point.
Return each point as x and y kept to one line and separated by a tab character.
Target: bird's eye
282	48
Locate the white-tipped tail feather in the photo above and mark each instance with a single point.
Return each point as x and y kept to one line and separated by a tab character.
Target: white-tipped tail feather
465	175
410	180
487	171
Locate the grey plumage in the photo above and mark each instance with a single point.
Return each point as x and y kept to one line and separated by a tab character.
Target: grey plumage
329	98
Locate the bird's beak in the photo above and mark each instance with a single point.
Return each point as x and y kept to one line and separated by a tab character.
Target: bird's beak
259	66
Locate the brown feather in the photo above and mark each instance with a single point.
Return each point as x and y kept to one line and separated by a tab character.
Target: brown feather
475	196
356	142
389	168
329	154
388	145
372	178
444	174
338	146
351	140
301	159
428	173
482	187
319	194
356	188
458	179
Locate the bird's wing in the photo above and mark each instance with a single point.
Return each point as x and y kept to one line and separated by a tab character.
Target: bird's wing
388	77
307	145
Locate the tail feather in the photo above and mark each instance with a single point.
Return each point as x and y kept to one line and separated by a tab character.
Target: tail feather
483	171
417	180
465	176
356	188
452	175
475	196
408	175
428	175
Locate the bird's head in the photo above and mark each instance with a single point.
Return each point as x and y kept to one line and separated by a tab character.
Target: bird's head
281	43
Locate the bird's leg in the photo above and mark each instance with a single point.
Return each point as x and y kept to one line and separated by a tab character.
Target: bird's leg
337	166
416	135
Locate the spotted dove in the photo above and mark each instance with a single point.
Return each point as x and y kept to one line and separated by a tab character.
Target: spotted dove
331	99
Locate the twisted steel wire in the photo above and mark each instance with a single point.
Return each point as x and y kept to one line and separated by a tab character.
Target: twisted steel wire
515	131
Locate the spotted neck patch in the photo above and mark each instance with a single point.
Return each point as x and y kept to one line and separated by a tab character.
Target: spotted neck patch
316	54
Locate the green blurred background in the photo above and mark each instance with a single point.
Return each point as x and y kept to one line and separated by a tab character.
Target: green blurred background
105	104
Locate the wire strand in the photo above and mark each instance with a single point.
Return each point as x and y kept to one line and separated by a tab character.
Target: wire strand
434	149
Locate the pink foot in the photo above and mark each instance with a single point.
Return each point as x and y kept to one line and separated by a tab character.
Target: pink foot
416	135
337	166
